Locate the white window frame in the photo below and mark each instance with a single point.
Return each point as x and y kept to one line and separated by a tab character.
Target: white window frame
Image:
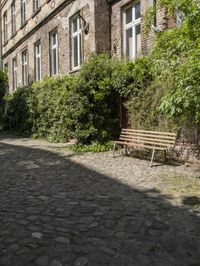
36	5
38	62
54	66
14	73
25	68
23	12
13	17
132	25
77	34
5	26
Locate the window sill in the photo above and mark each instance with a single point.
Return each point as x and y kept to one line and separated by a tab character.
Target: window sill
75	70
54	75
36	12
23	25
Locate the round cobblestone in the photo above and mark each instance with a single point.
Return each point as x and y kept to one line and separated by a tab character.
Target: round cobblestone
60	208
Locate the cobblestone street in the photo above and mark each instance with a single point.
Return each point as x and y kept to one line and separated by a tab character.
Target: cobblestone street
59	208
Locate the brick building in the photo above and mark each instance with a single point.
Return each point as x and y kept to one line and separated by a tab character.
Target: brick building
49	37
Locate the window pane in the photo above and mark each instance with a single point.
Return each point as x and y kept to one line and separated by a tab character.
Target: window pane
6	67
138	40
129	43
13	18
35	5
25	68
137	11
38	62
128	15
54	54
26	74
54	39
14	74
75	25
38	69
75	51
5	27
80	50
54	62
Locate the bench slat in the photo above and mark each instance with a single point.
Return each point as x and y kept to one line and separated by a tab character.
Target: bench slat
148	135
139	145
130	138
148	142
148	131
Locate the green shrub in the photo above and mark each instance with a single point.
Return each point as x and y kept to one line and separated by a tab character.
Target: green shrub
3	88
82	106
98	119
170	97
94	147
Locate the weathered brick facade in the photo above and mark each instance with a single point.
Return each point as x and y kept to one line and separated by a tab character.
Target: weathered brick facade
103	32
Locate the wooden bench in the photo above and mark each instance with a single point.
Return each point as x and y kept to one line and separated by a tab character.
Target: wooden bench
154	140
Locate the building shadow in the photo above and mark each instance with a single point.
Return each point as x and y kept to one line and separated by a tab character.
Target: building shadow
54	211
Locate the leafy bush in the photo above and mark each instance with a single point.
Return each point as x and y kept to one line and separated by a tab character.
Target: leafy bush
176	62
94	147
171	97
97	120
82	106
3	87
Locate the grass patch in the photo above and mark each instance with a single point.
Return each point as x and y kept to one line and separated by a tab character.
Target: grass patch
94	147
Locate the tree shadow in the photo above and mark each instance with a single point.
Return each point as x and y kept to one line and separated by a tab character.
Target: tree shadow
145	154
54	211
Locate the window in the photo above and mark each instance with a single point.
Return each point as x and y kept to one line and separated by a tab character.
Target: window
5	67
54	53
13	17
23	12
36	5
179	18
5	27
132	31
38	74
14	73
25	68
76	42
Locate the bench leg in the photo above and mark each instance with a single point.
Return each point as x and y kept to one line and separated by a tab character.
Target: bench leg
152	157
165	156
126	150
114	147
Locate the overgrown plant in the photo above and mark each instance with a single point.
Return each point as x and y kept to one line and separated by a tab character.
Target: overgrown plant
3	88
82	106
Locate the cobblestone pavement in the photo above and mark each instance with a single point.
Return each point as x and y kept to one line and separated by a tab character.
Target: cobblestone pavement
58	208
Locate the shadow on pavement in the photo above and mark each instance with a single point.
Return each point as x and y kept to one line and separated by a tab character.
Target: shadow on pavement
56	212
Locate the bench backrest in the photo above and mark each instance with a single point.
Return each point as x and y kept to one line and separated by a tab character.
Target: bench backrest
148	138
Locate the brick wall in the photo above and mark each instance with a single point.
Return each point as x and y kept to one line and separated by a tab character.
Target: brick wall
104	25
33	32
